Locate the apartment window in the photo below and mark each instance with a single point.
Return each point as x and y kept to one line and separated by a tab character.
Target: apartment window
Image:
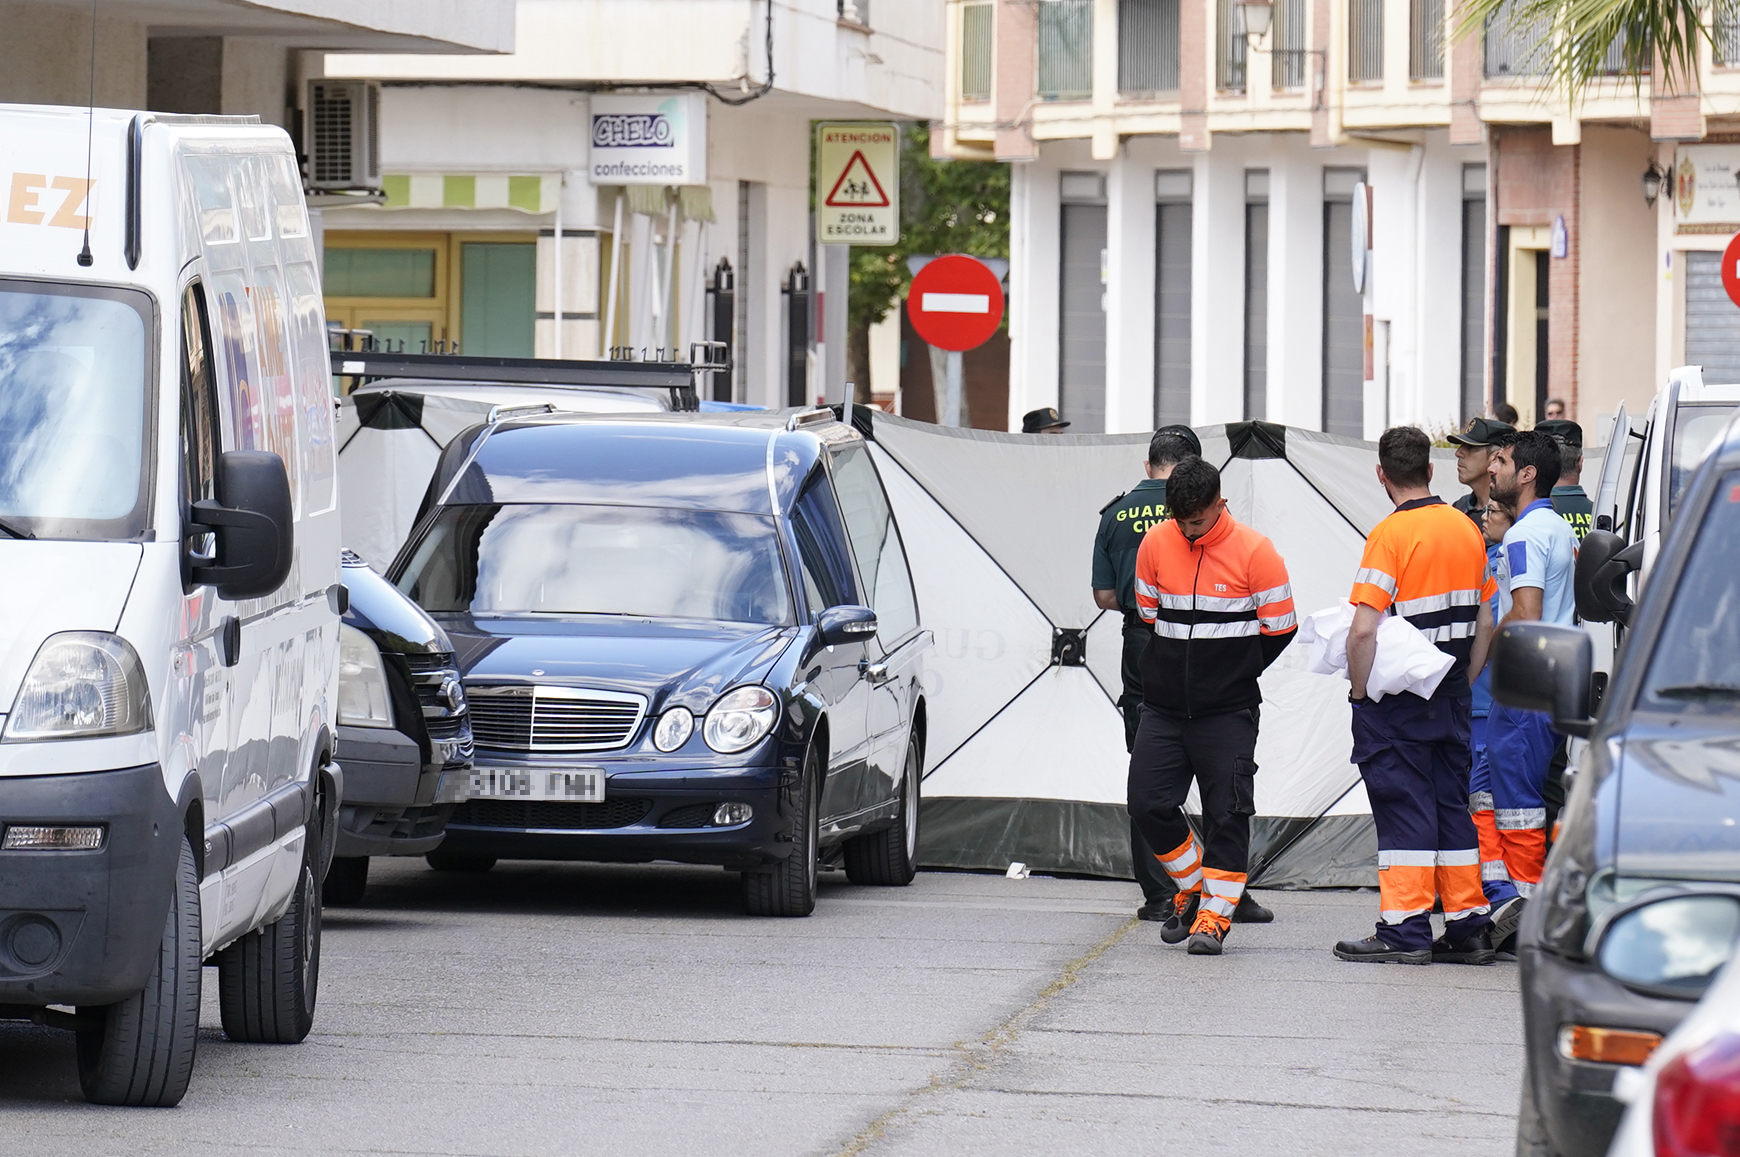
1287	63
1172	271
1426	39
1473	290
1066	56
976	52
1229	55
1725	32
1081	361
1365	40
1343	310
1514	48
1147	46
1256	294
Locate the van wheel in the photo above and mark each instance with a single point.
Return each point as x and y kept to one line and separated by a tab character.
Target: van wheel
268	980
459	862
1531	1131
789	887
889	857
140	1051
346	881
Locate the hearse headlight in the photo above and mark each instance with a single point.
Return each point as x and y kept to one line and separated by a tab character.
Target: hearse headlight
740	719
81	684
673	729
362	681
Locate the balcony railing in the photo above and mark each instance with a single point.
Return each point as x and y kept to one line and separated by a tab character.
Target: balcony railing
1426	40
1365	41
1287	44
1147	46
1066	49
976	45
1725	32
1515	48
1230	49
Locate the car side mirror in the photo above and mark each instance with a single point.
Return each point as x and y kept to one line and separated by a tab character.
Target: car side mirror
1670	944
251	521
846	624
1603	564
1542	667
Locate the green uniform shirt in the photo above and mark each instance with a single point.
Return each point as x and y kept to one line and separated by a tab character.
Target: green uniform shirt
1123	522
1575	507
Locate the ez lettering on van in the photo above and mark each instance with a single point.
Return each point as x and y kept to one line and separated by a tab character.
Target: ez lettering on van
31	201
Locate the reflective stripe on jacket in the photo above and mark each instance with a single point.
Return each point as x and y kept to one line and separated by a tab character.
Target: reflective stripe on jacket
1222	610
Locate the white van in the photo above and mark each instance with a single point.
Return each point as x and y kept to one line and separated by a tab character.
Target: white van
169	587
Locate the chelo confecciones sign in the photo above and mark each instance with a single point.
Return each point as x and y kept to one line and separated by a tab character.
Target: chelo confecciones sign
649	140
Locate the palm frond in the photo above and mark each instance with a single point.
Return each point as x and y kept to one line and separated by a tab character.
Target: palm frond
1584	41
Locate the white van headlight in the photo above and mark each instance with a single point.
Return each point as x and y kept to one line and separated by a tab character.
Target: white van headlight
362	681
81	684
740	719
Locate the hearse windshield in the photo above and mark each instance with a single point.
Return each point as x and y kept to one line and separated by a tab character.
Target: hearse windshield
73	411
571	559
1696	666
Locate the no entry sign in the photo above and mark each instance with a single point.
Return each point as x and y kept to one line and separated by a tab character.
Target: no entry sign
1731	269
955	302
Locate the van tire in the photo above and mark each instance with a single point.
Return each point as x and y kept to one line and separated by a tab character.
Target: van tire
140	1051
269	979
888	858
459	862
788	888
346	881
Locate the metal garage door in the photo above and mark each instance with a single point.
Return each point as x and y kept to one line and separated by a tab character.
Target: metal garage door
1712	321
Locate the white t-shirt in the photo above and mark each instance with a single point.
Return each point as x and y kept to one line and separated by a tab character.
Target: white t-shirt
1540	550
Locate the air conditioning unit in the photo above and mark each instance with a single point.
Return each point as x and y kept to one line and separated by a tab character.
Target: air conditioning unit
344	134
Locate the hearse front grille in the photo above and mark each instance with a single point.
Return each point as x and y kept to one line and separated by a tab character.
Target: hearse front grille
552	719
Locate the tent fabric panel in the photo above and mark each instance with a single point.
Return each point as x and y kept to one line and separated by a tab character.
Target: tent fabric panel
1105	653
1332	852
381	475
1303	743
1048	835
1061	738
991	641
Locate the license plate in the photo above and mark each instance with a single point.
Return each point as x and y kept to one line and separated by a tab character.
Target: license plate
572	784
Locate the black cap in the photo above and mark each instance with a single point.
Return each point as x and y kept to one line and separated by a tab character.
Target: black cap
1045	418
1568	433
1185	432
1483	432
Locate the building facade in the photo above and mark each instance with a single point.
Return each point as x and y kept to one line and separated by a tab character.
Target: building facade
496	231
1192	206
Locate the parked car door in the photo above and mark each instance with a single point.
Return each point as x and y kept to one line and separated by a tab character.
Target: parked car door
838	673
892	665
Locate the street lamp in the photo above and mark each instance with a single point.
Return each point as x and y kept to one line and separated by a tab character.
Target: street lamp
1256	16
1652	181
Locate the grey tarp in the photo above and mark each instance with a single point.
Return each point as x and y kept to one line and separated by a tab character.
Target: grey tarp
1026	758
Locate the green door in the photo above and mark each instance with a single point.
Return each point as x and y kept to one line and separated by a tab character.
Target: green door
498	298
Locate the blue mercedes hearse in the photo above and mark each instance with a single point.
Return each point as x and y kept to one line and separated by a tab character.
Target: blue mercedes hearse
682	638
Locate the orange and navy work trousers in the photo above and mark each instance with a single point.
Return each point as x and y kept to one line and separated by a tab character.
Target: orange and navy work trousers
1413	755
1216	752
1507	799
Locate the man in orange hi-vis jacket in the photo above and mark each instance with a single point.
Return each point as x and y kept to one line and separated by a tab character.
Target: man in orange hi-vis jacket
1218	597
1426	563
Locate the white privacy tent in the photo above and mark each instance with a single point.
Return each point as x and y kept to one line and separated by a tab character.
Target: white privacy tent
1025	759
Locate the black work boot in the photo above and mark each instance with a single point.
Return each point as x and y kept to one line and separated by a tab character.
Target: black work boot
1157	910
1207	941
1477	949
1251	911
1177	925
1374	950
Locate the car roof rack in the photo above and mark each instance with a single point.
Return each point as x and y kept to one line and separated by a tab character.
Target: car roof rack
811	417
504	413
672	377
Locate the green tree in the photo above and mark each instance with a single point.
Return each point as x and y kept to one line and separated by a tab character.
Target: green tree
945	207
1577	36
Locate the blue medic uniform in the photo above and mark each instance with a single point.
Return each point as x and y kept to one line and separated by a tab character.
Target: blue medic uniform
1123	522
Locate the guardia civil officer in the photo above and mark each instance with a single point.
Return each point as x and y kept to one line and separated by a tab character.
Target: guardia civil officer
1570	502
1218	596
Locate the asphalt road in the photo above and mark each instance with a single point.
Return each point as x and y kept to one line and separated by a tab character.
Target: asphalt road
583	1009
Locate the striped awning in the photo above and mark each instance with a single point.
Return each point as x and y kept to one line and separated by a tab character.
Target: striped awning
526	193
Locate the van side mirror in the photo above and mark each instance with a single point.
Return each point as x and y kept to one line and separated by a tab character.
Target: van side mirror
846	624
251	521
1542	667
1603	564
1670	941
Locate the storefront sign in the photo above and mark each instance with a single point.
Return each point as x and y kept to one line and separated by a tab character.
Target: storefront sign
1704	189
649	140
858	182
